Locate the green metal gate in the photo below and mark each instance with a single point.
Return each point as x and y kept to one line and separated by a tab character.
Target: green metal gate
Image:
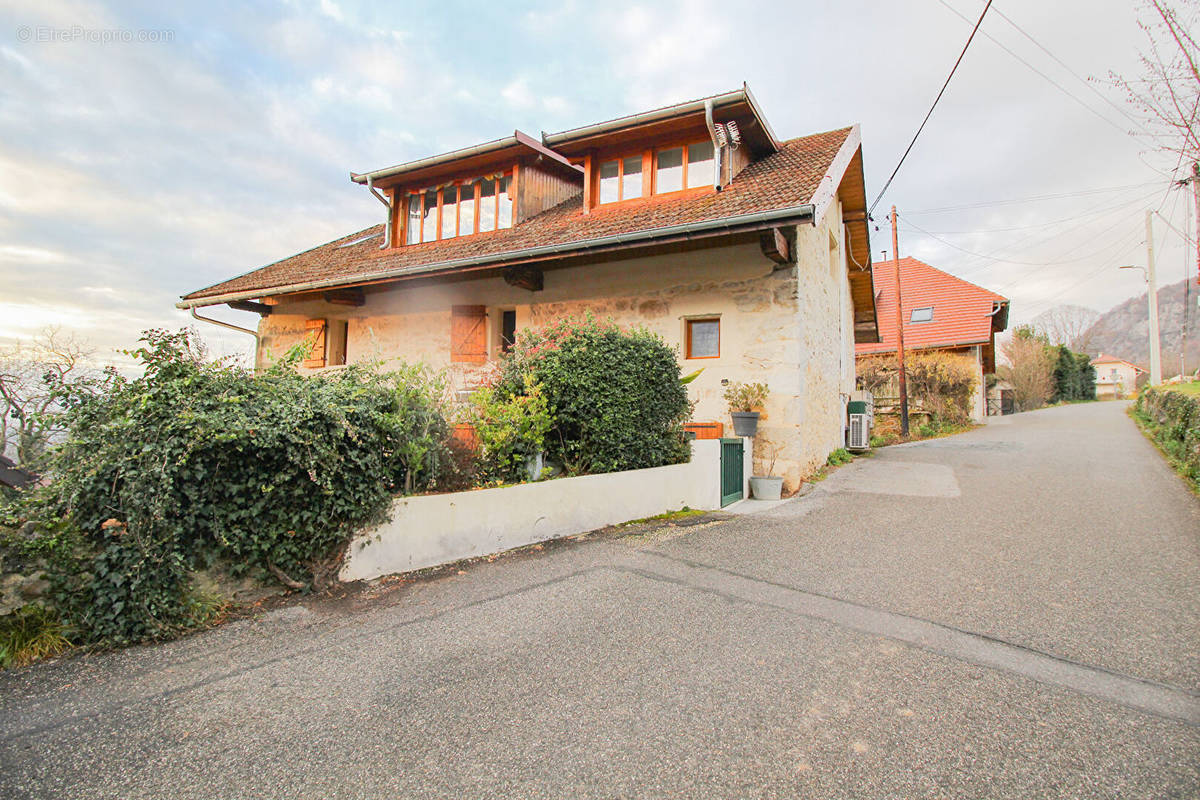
732	458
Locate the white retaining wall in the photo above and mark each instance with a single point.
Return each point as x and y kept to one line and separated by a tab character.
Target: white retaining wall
428	530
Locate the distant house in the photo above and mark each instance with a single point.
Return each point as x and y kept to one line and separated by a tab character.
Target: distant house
747	253
1115	377
940	312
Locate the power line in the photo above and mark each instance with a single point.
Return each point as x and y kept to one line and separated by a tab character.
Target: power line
931	108
1041	74
1034	198
1073	74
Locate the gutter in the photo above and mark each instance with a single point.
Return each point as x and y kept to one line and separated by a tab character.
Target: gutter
803	212
518	138
728	98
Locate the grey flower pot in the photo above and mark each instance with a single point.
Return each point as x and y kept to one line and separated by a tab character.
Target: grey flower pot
745	423
766	487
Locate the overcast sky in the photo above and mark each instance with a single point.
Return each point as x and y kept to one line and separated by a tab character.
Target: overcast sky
132	172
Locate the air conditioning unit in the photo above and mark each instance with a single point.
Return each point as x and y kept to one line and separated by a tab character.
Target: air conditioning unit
859	435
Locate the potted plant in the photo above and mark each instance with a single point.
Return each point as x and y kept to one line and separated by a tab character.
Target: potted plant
745	400
767	487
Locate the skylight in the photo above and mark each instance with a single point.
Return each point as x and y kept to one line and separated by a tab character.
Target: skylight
921	314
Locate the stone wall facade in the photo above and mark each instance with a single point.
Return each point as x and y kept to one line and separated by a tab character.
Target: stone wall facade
791	328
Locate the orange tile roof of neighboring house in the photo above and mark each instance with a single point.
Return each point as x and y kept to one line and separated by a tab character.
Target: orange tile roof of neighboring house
1103	358
781	180
962	311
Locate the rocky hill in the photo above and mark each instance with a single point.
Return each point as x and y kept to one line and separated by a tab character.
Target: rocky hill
1123	330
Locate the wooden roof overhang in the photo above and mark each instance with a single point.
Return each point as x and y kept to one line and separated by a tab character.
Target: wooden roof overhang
677	122
498	154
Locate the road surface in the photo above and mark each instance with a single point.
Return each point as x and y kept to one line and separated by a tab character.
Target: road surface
1013	612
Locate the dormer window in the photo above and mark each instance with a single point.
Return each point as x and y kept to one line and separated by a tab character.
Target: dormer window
462	208
667	170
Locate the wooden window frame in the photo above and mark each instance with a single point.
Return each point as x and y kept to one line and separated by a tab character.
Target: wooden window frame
650	189
684	178
687	335
474	184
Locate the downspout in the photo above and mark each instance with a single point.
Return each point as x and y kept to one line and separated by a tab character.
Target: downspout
387	229
712	132
228	325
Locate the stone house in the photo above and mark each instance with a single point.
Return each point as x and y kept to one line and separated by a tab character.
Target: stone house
939	312
747	253
1115	377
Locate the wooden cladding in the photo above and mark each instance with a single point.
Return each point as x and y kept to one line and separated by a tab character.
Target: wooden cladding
315	330
468	334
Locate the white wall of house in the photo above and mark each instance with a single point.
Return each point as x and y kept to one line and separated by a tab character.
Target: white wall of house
1115	379
791	328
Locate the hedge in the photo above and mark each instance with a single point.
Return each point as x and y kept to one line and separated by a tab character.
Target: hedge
1173	420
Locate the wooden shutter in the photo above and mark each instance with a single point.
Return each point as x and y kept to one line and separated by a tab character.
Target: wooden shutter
468	334
316	332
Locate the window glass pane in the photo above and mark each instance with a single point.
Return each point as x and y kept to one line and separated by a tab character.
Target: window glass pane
704	336
608	182
429	224
631	180
487	205
449	211
504	219
466	209
921	314
669	177
414	219
700	165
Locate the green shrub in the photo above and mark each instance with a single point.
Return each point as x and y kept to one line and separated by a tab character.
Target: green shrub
615	397
510	428
1172	419
197	461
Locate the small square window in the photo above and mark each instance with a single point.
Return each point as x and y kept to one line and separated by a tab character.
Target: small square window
704	338
921	315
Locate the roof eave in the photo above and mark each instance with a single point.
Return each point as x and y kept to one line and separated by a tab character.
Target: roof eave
800	213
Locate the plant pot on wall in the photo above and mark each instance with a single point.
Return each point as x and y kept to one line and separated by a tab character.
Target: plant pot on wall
745	423
766	487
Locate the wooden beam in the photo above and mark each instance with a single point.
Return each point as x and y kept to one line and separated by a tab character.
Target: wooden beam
345	297
774	245
249	305
524	277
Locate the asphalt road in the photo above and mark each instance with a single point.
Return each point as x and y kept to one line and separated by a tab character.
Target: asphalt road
1014	612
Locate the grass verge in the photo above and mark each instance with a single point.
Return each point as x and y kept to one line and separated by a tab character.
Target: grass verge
1152	432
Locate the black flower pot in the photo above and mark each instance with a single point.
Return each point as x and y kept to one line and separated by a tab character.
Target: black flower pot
745	423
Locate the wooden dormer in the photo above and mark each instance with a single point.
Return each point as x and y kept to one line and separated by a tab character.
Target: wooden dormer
485	188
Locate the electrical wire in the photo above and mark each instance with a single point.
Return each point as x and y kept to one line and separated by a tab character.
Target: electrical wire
1034	198
1037	71
1074	74
931	108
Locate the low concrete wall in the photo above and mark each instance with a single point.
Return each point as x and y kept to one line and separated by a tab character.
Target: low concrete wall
437	529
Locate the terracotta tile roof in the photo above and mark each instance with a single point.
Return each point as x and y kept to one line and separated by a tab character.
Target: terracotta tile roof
962	311
1104	358
781	180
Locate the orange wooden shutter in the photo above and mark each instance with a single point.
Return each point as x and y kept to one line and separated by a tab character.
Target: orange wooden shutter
468	334
316	356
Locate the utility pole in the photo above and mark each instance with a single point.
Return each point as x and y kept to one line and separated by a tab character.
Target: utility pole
1196	196
1155	354
1187	299
900	329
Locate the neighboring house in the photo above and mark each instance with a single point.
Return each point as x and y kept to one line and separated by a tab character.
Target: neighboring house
939	312
1115	377
746	253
